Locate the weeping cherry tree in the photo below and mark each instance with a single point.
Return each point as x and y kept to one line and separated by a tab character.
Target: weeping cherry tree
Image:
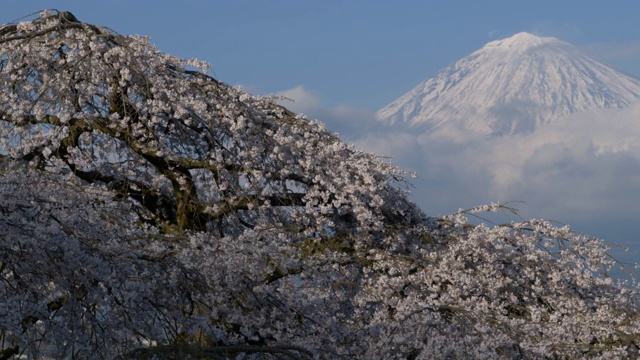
152	211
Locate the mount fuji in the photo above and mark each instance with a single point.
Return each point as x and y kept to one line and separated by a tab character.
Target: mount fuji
510	86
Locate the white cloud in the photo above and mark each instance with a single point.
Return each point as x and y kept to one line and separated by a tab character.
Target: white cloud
494	34
350	122
562	31
585	149
584	171
300	99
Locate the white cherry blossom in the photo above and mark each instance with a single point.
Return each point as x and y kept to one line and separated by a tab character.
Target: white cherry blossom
148	209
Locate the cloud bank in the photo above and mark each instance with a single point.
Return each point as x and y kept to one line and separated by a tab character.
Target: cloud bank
350	122
583	171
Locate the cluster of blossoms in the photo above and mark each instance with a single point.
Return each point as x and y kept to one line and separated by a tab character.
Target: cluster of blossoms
149	210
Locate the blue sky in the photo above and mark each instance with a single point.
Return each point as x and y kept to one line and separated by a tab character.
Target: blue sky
343	60
360	53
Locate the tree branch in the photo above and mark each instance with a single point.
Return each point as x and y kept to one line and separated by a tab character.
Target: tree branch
215	352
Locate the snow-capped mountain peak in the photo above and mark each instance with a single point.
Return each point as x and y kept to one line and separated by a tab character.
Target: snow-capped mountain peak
520	42
513	85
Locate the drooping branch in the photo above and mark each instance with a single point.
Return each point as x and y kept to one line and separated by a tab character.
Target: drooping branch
246	202
187	147
183	208
67	21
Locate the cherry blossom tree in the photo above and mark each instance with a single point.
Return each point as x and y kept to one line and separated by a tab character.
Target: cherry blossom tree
152	211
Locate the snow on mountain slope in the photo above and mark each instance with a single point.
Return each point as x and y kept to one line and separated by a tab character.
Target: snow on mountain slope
511	86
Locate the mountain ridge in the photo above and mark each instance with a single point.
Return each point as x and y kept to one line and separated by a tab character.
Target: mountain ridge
513	85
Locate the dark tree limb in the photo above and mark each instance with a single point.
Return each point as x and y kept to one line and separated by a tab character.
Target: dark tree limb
214	352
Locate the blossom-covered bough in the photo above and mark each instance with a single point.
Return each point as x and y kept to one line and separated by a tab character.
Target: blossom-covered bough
149	210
